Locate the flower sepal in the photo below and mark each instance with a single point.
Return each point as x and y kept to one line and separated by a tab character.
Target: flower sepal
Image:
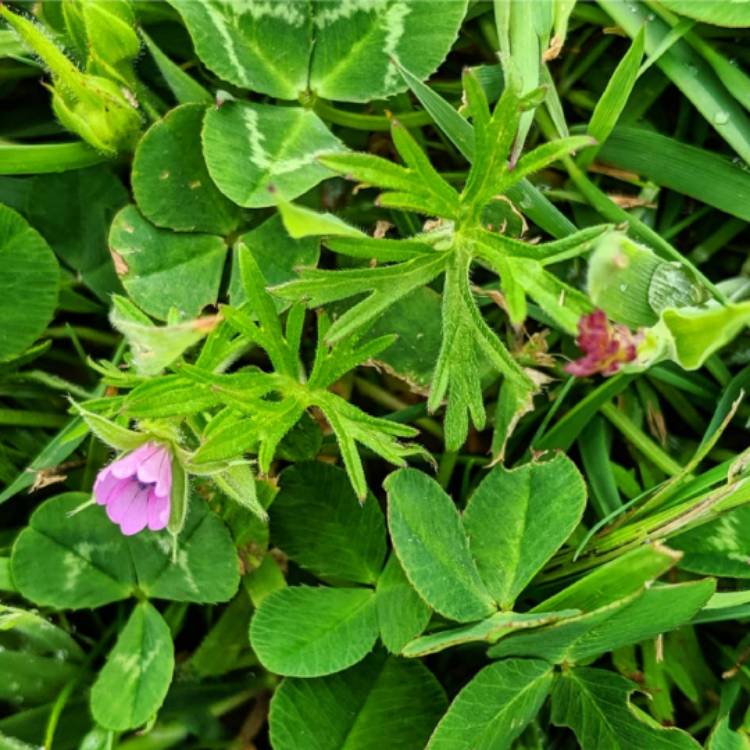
110	432
179	498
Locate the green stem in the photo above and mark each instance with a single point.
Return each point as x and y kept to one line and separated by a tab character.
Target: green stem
42	158
359	121
389	401
446	467
84	333
65	693
640	440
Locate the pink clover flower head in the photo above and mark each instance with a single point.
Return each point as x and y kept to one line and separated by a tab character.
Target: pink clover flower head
606	347
136	489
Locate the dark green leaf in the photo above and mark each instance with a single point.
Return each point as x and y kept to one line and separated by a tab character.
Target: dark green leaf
358	709
316	502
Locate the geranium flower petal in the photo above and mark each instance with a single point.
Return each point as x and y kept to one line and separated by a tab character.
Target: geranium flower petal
158	511
127	466
136	515
106	483
156	469
118	505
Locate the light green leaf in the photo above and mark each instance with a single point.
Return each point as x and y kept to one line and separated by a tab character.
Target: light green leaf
186	89
468	343
432	547
261	46
168	396
92	106
595	704
6	584
112	40
302	631
260	154
490	630
523	31
723	737
633	285
351	425
316	501
109	432
155	347
629	620
302	222
734	14
495	707
402	614
133	683
690	73
453	124
161	269
614	580
29	278
719	548
690	335
460	132
354	710
276	253
170	180
385	284
544	155
516	520
231	435
239	483
612	102
179	498
725	605
707	176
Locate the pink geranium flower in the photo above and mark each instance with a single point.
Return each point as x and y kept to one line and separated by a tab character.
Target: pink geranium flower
136	489
606	347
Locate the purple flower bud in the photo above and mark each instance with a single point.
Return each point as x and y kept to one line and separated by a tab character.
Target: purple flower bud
136	489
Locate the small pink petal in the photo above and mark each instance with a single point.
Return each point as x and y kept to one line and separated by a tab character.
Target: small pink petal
127	466
158	511
157	469
581	368
606	347
122	500
136	516
105	485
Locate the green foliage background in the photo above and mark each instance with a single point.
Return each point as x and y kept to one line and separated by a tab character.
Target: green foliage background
335	256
